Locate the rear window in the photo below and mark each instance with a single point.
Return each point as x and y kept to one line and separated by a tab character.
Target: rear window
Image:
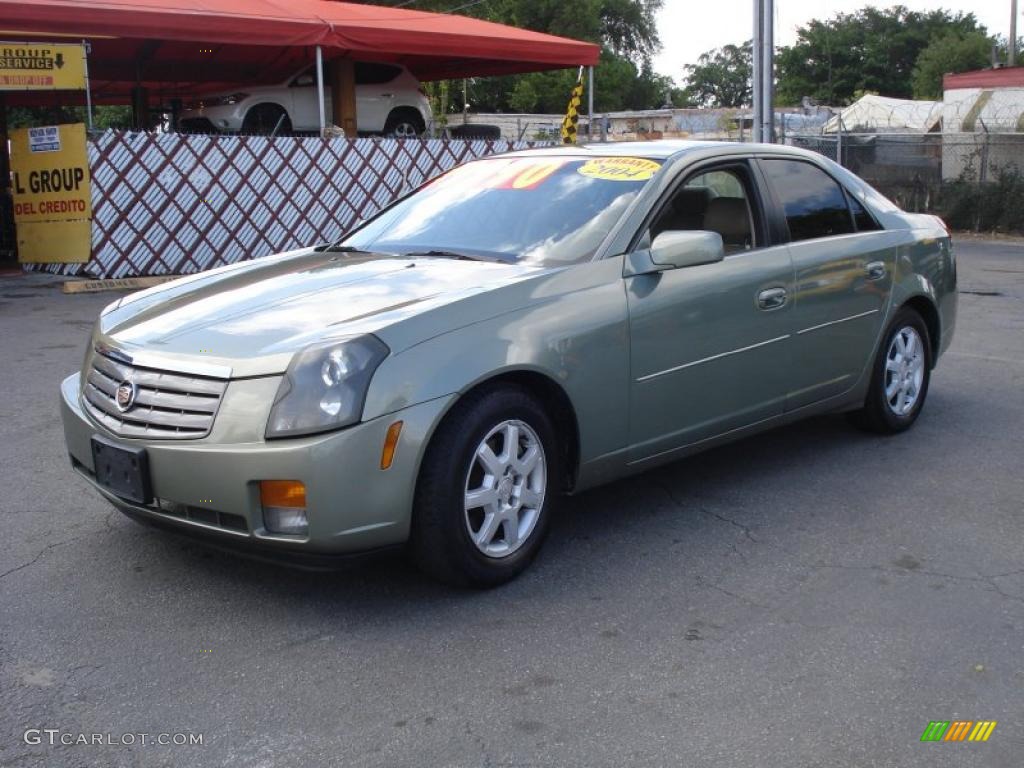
368	73
543	209
861	217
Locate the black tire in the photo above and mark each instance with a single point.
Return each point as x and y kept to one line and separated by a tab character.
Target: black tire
476	131
262	119
879	415
404	123
440	541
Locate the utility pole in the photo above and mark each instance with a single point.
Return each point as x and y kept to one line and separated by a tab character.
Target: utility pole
763	55
1011	59
768	71
756	80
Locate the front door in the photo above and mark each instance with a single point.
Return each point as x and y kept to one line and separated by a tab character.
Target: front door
305	111
710	344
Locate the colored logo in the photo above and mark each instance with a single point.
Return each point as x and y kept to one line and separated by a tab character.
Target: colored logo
958	730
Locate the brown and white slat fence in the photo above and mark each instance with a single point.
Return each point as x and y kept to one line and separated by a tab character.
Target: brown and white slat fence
177	204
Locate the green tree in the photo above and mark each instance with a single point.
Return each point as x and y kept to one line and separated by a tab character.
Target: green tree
626	30
946	53
619	85
868	50
720	78
103	117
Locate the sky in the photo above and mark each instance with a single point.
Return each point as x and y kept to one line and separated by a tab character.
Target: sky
688	28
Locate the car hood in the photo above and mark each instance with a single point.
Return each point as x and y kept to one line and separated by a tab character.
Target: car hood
253	317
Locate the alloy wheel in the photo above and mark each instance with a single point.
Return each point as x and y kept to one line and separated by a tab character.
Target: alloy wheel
505	487
404	130
904	370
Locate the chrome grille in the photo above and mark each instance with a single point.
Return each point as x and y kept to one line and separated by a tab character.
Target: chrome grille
167	405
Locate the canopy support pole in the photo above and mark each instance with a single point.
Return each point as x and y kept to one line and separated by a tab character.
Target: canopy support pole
343	95
88	89
320	88
590	103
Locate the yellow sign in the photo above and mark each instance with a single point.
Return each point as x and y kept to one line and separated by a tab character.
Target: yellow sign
619	168
41	67
52	202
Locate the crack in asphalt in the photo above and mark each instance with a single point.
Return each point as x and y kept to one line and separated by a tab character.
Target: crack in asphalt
988	580
94	667
42	552
735	595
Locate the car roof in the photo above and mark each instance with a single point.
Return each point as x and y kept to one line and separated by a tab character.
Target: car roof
661	149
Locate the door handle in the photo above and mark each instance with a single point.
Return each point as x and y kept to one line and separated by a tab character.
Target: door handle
387	95
771	298
875	270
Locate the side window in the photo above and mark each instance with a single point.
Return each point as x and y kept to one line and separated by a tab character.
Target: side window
368	73
716	201
814	203
304	79
864	221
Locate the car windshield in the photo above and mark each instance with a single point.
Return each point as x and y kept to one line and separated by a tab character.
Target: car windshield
543	209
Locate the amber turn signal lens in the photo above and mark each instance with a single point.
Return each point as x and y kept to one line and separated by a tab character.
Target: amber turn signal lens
390	444
282	493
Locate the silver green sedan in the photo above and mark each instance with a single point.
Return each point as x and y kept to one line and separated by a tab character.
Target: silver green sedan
521	327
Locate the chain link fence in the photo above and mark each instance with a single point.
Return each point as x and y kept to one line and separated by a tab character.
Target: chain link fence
962	159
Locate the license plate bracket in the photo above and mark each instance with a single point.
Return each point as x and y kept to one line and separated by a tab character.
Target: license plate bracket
122	471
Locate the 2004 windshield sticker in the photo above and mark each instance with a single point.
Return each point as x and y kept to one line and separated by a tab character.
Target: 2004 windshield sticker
619	168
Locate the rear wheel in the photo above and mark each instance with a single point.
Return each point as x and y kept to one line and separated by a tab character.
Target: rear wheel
899	378
484	491
404	123
263	119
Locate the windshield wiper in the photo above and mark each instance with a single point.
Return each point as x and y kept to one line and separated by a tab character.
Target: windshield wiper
334	248
460	255
445	255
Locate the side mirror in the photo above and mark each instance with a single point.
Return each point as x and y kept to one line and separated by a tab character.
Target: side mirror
677	249
674	249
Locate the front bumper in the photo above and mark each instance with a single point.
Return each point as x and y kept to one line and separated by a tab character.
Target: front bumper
210	486
228	117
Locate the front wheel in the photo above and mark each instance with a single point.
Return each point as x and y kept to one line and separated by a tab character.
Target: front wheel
484	491
265	120
899	378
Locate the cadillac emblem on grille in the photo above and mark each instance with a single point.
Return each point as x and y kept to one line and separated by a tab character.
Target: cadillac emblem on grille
125	396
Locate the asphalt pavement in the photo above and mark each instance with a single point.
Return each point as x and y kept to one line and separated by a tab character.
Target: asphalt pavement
810	597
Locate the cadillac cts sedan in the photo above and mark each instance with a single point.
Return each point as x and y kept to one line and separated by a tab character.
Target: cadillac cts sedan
523	326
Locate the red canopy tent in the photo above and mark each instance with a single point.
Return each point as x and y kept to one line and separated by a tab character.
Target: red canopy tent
196	46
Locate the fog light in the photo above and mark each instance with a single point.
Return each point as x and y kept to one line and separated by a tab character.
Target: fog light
284	507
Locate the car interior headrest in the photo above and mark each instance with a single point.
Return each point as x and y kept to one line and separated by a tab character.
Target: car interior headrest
692	201
730	217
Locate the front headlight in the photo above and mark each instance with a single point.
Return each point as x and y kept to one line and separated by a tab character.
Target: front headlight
325	386
226	101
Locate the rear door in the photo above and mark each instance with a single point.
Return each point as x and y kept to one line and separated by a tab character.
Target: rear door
843	264
374	93
709	344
